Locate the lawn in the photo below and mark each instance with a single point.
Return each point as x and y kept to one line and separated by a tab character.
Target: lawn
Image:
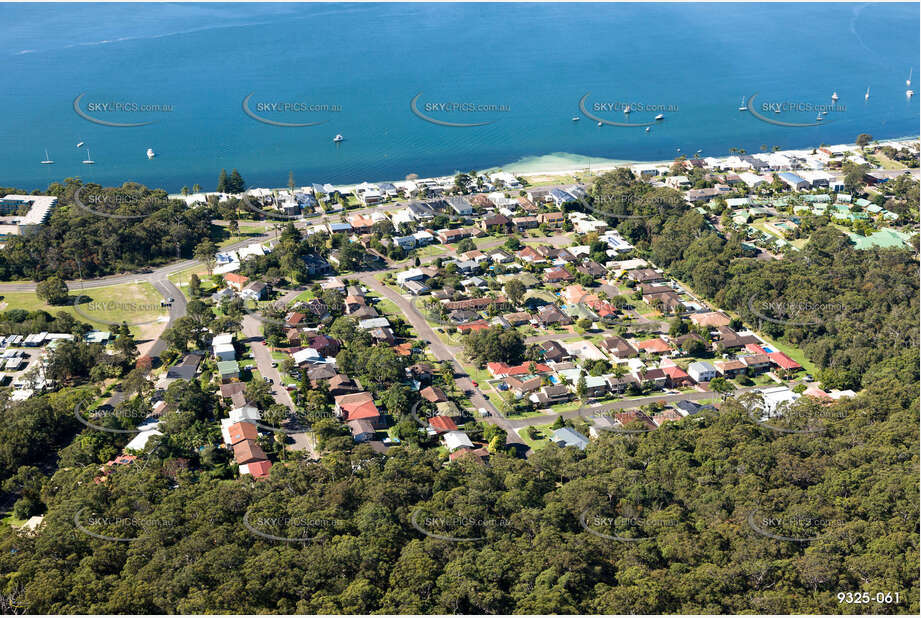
181	278
542	439
138	304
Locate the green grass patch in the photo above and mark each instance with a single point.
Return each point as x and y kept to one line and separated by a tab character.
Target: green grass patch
138	304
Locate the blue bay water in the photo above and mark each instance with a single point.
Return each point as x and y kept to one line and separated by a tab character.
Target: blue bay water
370	60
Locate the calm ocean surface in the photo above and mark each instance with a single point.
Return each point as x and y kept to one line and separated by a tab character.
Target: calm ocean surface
366	62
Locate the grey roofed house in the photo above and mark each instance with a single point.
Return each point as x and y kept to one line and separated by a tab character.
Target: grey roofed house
187	369
689	407
456	439
565	436
416	288
420	210
461	316
364	312
553	351
372	323
460	205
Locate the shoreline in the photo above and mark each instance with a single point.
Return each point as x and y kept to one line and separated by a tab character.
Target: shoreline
605	165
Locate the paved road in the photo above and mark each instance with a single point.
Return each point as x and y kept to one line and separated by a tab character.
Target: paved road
443	353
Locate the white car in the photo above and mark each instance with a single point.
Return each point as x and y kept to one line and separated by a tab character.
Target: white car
483	412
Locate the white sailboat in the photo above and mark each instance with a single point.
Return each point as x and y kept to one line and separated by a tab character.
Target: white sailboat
660	117
742	106
575	119
834	96
150	153
866	97
80	144
89	159
338	138
47	160
908	81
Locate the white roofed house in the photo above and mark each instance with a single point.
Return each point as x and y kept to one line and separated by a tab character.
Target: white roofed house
413	274
454	440
507	180
752	180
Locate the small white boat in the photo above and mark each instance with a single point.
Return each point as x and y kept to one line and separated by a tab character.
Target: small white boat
908	81
909	93
628	109
150	153
834	96
819	117
600	123
866	97
824	112
647	129
575	119
742	106
47	160
80	144
660	117
338	138
89	159
776	110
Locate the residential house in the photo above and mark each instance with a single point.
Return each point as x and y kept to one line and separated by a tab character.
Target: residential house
433	394
551	395
558	275
676	377
442	424
247	451
758	363
187	369
551	219
236	281
702	371
228	370
553	351
629	417
656	345
254	291
362	430
730	368
618	347
495	223
525	223
454	440
358	406
565	436
645	275
550	315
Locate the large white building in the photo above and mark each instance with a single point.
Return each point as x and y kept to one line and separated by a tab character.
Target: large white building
36	209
